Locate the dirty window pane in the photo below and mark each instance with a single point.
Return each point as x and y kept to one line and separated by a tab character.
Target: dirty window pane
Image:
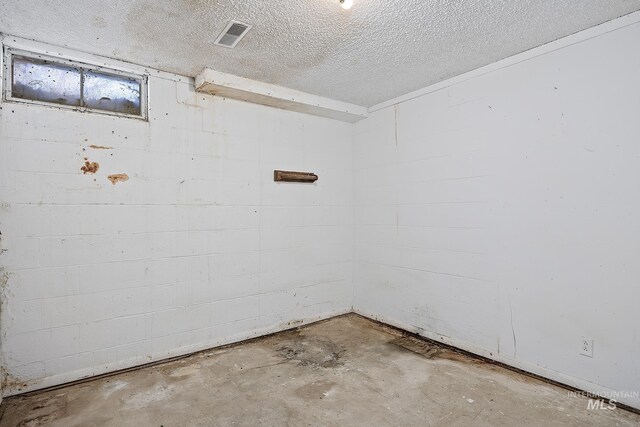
111	93
45	81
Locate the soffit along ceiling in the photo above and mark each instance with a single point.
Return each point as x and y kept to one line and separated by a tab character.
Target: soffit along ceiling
376	51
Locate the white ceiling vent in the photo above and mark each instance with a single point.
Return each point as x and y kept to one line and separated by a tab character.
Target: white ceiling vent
232	34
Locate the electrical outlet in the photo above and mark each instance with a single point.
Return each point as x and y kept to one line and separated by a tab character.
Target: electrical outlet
586	346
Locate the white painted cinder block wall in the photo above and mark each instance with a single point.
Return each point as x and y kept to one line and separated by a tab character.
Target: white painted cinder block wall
198	248
500	211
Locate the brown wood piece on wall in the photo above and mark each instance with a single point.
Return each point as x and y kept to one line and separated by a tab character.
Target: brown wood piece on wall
288	176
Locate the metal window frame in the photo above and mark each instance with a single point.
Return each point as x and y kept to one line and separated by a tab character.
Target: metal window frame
7	96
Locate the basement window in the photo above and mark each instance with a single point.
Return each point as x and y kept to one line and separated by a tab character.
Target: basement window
38	79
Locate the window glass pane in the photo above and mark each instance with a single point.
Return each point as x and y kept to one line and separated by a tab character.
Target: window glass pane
45	81
111	93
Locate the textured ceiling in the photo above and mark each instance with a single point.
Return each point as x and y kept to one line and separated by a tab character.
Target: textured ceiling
378	50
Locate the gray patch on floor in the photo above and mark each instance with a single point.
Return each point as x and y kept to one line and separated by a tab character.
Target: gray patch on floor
344	371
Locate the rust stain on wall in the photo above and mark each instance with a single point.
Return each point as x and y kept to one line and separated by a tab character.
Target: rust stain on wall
13	384
89	167
100	147
119	177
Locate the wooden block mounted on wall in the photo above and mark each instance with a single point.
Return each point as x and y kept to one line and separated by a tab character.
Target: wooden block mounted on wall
288	176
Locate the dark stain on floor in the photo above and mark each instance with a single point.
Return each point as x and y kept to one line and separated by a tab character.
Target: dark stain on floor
431	350
310	350
45	410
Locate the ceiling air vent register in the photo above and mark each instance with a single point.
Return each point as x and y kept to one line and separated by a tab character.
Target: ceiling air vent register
232	34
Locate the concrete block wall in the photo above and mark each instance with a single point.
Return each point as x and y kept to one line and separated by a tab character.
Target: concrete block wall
198	248
498	211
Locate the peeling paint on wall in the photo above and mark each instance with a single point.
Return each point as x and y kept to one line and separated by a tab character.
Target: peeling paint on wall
119	177
89	167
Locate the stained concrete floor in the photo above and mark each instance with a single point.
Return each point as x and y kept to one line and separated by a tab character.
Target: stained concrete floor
344	371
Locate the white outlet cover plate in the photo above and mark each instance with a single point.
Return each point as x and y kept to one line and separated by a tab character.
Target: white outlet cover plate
586	346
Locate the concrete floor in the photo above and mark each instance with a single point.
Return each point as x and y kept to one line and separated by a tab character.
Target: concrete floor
344	371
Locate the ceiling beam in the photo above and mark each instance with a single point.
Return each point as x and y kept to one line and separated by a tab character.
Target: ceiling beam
234	87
